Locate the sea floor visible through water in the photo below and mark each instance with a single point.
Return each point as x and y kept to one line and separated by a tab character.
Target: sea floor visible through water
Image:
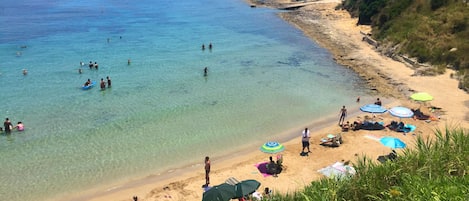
264	77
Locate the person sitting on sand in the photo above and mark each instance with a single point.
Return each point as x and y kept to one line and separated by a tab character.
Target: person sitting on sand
356	125
267	192
272	167
346	126
378	102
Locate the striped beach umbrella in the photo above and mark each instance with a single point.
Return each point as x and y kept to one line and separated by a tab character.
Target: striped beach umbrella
272	147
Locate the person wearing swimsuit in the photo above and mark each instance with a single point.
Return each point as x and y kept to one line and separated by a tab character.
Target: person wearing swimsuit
343	114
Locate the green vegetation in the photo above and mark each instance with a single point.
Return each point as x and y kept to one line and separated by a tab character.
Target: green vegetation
433	31
435	170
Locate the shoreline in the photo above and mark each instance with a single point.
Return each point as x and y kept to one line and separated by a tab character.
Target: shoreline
320	23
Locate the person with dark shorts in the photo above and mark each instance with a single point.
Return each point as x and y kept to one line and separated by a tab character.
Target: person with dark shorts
108	82
305	140
102	84
343	114
207	171
7	125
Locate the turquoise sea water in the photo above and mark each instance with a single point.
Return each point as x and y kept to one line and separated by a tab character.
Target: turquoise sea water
161	113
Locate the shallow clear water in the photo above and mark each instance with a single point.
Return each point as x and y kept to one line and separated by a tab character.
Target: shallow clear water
161	112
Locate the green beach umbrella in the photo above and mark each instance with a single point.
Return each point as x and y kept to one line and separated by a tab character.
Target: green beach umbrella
272	147
222	192
421	96
246	187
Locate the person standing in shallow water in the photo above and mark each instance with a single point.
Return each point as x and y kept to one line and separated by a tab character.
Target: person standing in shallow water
7	125
205	71
343	114
102	84
108	82
207	171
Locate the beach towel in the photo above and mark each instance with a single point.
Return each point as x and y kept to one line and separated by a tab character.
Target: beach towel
338	170
262	167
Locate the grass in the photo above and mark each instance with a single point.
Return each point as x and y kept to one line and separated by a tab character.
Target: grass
436	169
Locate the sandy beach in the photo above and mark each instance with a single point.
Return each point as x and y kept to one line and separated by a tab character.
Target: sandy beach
390	80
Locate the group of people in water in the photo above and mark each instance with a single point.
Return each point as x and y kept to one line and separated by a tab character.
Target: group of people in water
91	65
8	126
102	83
210	46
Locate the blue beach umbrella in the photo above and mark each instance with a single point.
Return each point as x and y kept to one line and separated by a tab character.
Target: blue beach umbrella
401	112
373	108
392	142
272	147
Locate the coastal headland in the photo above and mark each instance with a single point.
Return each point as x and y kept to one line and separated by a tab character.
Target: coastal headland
390	80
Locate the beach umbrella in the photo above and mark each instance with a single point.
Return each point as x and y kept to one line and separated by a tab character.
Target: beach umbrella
246	187
401	112
272	147
373	108
222	192
421	96
392	142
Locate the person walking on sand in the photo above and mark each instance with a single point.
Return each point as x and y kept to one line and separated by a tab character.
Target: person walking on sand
305	140
343	114
207	171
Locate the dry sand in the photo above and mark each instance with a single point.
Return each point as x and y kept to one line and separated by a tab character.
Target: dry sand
391	80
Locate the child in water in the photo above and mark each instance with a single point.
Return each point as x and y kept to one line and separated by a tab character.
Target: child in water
20	126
